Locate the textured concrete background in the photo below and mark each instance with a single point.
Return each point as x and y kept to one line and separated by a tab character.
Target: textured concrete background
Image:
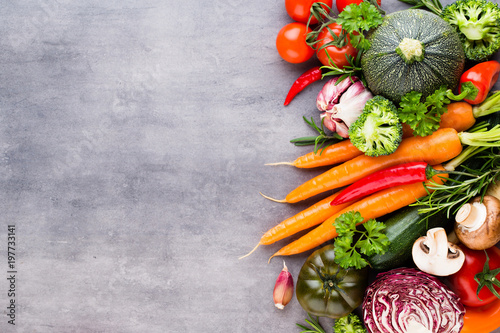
133	138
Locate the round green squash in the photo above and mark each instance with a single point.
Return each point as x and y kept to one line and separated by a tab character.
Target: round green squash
413	50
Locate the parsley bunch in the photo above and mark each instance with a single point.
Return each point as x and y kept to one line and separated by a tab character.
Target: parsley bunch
358	19
423	116
372	240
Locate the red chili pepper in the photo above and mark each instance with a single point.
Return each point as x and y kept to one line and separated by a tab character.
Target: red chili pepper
402	174
312	75
483	76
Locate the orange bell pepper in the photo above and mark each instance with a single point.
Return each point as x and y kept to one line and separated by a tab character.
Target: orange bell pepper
482	319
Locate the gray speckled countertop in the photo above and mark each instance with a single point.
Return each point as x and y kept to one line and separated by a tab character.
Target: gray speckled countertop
133	138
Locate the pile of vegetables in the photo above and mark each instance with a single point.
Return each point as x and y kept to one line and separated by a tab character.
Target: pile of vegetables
407	221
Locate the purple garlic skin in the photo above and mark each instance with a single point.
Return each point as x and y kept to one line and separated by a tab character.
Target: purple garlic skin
341	104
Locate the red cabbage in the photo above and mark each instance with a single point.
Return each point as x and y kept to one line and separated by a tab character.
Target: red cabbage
404	299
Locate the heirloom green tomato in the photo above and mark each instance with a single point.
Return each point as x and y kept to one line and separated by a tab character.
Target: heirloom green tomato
327	290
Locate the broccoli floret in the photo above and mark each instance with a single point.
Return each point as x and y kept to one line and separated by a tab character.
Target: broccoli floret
377	131
349	324
478	25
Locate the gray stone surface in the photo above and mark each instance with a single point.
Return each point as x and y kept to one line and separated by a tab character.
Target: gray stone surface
133	138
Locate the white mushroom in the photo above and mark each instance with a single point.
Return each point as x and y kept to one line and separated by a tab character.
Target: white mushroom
478	223
435	255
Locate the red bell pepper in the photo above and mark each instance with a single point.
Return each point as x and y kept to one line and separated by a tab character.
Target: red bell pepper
310	76
407	173
483	76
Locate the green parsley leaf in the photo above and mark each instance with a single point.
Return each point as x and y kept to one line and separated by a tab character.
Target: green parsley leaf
371	240
423	116
357	19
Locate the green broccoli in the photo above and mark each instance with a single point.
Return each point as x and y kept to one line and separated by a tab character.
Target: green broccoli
377	131
478	25
349	324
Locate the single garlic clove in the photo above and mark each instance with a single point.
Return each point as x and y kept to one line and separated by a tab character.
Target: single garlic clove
283	289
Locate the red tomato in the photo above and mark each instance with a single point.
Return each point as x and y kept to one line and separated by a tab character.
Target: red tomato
299	10
341	4
462	282
291	43
338	55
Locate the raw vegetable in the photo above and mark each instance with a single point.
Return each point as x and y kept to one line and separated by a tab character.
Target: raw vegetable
333	46
377	131
477	23
441	146
337	45
333	154
460	116
401	174
327	290
435	255
403	228
308	77
305	219
424	115
371	207
342	102
475	282
483	76
291	43
283	288
428	38
477	223
408	300
367	242
300	10
349	324
475	176
483	319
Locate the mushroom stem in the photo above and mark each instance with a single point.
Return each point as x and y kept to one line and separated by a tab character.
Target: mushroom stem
471	216
437	242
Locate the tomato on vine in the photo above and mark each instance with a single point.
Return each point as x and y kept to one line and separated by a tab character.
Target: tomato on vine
327	51
300	10
473	281
291	43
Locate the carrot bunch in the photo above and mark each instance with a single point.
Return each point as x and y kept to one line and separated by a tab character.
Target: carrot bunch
350	165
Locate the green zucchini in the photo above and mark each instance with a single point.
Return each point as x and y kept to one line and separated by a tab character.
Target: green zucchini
403	228
413	50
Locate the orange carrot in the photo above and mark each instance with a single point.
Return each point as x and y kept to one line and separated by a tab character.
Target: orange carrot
305	219
459	116
334	154
374	206
441	146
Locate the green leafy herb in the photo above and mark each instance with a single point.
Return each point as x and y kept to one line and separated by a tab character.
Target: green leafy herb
372	240
322	140
424	116
358	19
467	182
348	71
434	6
314	326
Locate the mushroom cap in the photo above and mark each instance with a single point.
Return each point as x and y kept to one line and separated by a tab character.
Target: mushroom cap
488	234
